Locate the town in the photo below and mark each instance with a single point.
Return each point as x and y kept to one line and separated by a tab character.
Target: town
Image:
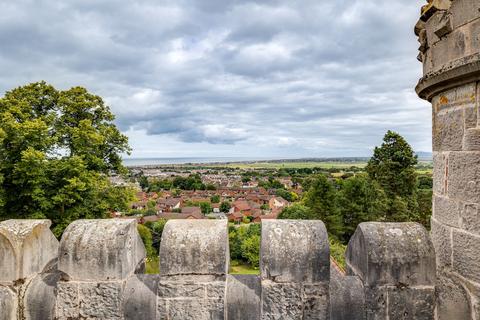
237	196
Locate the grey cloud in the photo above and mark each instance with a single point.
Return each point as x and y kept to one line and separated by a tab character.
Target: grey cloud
278	77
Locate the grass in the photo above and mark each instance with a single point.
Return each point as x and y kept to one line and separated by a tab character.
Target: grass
152	265
243	269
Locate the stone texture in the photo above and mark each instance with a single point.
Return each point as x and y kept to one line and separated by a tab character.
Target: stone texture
464	176
470	218
448	129
442	241
140	297
463	11
26	247
243	297
67	304
411	303
466	255
391	253
347	296
191	297
294	251
471	140
101	300
294	301
194	247
452	299
440	161
190	309
102	250
376	301
40	296
447	211
8	306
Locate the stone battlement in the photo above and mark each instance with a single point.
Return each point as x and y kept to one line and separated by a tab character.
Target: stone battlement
96	272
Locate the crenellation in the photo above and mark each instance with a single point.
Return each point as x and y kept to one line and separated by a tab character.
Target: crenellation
390	273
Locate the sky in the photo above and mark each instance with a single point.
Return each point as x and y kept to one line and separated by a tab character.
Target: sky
230	78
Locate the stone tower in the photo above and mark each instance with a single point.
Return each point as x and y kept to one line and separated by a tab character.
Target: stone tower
449	36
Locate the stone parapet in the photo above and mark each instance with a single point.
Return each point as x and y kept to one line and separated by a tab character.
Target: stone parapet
449	36
96	273
396	264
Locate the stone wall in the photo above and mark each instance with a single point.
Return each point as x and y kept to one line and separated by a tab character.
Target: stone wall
449	36
96	272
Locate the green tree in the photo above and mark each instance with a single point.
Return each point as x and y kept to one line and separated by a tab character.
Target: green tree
393	167
297	211
157	231
225	206
359	200
147	239
215	198
57	149
321	199
251	250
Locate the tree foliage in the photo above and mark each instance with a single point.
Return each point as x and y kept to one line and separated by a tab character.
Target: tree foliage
321	199
393	167
56	150
359	200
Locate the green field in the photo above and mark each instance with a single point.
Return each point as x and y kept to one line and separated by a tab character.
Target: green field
290	165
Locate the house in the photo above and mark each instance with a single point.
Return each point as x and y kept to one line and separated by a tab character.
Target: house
169	204
192	210
277	202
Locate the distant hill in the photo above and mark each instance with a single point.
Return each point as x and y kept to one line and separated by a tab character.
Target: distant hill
424	155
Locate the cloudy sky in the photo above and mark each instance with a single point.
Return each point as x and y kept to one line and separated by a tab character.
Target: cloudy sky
229	78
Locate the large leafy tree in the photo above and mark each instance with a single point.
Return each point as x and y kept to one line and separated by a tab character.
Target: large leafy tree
360	199
393	167
320	198
56	151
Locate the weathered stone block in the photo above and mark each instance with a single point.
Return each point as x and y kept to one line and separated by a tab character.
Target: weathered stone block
101	300
471	116
464	176
466	255
391	253
243	297
376	301
316	301
294	300
442	241
470	218
191	309
446	211
140	297
448	130
453	301
347	296
101	250
411	303
67	305
8	304
194	247
26	247
294	251
444	26
440	161
40	296
471	140
463	11
191	297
